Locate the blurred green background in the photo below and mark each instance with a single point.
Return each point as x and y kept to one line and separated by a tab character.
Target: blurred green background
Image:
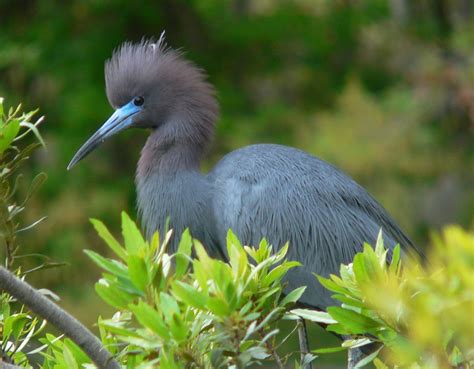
383	89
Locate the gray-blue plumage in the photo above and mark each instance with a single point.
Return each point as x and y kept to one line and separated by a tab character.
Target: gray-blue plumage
285	194
260	191
275	192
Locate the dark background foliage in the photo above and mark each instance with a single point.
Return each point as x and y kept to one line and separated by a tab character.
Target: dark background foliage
383	89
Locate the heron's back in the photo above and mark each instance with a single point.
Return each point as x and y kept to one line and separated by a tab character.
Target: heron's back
285	194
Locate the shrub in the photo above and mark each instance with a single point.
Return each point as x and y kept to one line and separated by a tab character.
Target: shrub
421	315
199	312
17	325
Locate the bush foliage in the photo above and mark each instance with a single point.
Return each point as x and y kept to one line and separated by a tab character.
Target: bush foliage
17	325
175	311
421	315
191	312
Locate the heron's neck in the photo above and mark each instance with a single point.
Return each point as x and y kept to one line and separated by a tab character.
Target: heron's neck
171	187
164	156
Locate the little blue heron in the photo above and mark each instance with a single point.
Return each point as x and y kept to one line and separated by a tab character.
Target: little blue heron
260	191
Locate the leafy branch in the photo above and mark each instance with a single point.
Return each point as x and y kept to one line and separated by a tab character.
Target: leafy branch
18	328
63	321
14	127
419	316
200	311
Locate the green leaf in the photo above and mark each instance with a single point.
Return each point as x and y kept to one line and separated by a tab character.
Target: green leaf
203	257
178	328
329	350
37	182
112	295
5	309
112	266
118	329
360	271
200	275
237	255
109	239
12	324
8	133
349	301
167	360
368	359
189	295
260	253
132	236
273	316
230	294
144	343
232	239
69	358
293	296
347	276
264	301
395	263
218	306
379	245
379	364
314	316
251	316
277	273
77	353
168	305
359	342
150	318
331	285
280	255
354	322
183	255
456	357
138	272
371	262
338	329
32	127
19	324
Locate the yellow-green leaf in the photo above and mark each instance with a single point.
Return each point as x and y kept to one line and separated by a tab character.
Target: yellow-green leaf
132	236
109	239
138	272
150	318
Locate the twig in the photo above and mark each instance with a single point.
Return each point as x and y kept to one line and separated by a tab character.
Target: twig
354	355
5	360
304	345
10	251
274	353
4	365
62	320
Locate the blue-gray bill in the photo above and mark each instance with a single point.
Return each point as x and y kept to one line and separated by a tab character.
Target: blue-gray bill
120	119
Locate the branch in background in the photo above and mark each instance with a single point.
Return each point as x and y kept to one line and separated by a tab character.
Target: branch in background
273	352
353	357
304	344
62	320
4	365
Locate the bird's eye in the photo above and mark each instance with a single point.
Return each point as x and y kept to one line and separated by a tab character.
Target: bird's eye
138	101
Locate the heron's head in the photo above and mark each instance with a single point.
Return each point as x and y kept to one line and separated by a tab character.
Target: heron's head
152	86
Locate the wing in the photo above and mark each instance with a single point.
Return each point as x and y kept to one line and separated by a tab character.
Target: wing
284	194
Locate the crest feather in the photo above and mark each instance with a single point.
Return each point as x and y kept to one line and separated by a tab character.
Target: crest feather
135	64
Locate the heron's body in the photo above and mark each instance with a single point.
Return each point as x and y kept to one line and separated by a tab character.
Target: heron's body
261	191
274	192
